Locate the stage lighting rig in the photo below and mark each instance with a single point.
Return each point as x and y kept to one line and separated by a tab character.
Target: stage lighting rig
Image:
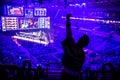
80	5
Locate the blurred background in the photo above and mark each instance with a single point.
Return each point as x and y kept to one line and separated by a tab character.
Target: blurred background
33	30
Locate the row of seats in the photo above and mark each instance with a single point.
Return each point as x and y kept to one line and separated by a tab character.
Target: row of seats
13	72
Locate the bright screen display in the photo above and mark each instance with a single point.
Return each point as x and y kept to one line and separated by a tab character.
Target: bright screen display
9	23
44	22
28	23
22	23
40	12
28	13
15	11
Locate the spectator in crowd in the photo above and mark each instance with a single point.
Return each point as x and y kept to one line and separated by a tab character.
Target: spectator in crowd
74	55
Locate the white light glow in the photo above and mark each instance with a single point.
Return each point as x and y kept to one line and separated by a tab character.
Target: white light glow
31	40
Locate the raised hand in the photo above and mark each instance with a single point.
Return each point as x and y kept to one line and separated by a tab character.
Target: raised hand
68	16
68	26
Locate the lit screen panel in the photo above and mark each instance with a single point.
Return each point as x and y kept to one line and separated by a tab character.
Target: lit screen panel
44	22
28	23
40	12
9	23
15	11
28	13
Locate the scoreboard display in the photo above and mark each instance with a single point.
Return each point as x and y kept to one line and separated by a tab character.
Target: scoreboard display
24	18
29	13
15	10
47	22
40	12
28	23
44	22
41	22
9	23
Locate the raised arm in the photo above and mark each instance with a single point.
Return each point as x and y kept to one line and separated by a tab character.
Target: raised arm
68	26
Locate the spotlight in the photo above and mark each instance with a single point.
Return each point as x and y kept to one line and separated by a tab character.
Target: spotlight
20	57
84	4
70	5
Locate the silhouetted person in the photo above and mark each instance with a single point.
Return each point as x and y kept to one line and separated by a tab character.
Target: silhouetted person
1	57
3	75
26	74
111	71
74	55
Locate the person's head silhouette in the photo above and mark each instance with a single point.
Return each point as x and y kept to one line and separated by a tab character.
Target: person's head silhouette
83	41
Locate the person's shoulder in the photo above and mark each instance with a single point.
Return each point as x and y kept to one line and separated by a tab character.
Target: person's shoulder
68	39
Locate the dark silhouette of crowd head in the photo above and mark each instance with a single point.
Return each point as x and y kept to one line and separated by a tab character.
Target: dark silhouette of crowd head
83	41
